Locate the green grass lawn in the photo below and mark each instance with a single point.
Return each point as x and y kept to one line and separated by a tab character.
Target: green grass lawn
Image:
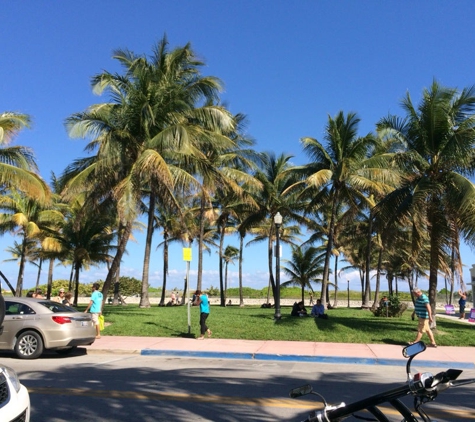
345	325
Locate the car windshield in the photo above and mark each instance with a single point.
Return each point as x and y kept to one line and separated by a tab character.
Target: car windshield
56	306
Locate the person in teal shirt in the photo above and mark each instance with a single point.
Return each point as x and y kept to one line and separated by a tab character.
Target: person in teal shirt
95	307
424	313
202	300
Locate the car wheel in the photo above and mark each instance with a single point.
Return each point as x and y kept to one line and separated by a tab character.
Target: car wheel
67	351
29	345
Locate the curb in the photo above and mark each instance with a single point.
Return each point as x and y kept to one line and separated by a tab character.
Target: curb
304	358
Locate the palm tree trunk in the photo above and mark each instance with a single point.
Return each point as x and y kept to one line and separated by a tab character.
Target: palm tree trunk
328	252
8	283
220	253
200	243
335	300
378	278
225	284
76	283
452	273
19	284
50	272
433	270
144	299
117	258
115	301
165	271
367	291
241	246
71	274
390	277
38	277
360	270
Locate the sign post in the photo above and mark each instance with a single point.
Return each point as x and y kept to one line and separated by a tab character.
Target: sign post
187	259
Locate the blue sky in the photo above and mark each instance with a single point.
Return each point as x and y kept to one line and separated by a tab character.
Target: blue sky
286	65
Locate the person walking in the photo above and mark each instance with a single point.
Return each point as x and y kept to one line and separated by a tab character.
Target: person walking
462	303
202	300
95	307
424	313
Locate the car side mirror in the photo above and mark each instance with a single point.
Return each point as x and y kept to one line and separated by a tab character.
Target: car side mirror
301	391
413	349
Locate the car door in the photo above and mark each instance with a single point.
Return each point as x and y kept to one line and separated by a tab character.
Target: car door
16	315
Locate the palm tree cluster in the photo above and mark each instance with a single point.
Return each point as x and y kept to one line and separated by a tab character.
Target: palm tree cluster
395	202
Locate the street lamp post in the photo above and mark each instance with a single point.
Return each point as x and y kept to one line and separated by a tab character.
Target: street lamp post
277	222
348	290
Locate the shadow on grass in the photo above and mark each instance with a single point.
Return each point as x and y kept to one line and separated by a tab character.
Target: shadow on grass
394	342
185	335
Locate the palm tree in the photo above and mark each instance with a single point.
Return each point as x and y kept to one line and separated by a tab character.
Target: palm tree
225	225
304	268
171	225
229	202
288	234
232	212
230	253
224	174
146	136
88	239
440	138
17	165
19	250
276	177
242	212
340	173
29	218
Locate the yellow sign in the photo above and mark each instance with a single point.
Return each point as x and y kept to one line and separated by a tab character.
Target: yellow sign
186	254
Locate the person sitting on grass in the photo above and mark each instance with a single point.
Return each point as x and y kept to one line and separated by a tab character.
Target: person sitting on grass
299	310
318	310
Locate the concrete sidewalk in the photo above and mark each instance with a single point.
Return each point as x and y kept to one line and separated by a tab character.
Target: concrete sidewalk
339	353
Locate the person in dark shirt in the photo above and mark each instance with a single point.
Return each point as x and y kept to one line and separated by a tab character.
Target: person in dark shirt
462	303
299	310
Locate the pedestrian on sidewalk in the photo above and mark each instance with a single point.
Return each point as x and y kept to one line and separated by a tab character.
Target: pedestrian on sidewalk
95	307
202	300
462	303
424	313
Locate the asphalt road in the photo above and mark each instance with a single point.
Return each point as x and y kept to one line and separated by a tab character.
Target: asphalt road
110	387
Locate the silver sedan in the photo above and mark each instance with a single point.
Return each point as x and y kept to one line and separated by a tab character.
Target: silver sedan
34	325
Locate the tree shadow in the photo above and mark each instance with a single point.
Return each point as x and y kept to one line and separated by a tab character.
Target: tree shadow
188	390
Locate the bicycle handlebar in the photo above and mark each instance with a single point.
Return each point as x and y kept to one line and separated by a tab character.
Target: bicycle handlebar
428	386
423	386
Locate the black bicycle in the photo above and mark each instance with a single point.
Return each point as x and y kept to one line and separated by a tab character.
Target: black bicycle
423	386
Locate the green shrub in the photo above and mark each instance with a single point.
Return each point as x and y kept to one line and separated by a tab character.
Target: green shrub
389	306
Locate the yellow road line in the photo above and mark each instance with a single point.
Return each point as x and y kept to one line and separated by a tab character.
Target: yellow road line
448	414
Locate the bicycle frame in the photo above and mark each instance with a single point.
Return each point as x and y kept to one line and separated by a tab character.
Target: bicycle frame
424	387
